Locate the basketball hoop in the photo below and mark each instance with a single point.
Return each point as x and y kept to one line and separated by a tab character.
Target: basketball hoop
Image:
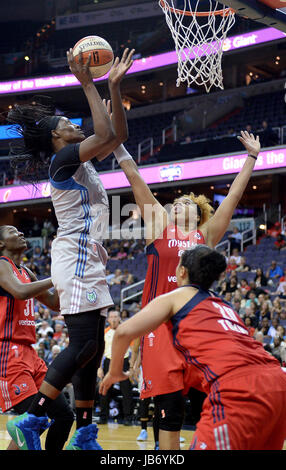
199	38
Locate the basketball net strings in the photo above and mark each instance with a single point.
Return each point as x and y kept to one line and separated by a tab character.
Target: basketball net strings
198	42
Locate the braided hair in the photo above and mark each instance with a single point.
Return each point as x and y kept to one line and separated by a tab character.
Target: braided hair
34	124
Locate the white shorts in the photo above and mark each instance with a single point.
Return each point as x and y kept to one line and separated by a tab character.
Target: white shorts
78	274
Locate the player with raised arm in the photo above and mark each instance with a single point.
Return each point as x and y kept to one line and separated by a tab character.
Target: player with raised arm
190	222
21	369
78	257
245	408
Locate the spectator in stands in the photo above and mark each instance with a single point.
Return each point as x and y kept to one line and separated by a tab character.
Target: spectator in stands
275	230
232	284
267	136
280	242
281	331
231	264
235	239
55	350
125	385
222	288
244	287
124	315
45	329
58	330
117	277
228	296
251	296
121	254
277	308
274	272
236	303
282	295
273	327
260	279
127	277
109	276
283	278
248	324
235	254
278	349
243	266
263	312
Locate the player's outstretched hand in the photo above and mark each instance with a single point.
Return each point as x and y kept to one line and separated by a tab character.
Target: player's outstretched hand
251	143
120	67
109	380
80	70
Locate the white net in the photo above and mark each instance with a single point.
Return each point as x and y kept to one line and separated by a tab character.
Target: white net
198	39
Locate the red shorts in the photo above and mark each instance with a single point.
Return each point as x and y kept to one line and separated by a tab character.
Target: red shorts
162	365
244	413
23	373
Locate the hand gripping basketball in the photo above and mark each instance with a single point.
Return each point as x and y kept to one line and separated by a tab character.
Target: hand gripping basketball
80	70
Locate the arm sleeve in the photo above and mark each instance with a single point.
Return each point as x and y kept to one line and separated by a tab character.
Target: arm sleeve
65	163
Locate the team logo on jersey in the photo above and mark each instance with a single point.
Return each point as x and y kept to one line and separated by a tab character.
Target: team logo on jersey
91	296
151	337
198	236
16	350
20	388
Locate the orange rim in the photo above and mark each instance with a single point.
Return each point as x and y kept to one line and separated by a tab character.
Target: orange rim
225	12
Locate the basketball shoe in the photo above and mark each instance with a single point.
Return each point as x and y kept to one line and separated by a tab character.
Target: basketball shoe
143	436
84	438
25	430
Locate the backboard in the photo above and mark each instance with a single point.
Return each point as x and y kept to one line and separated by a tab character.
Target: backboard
269	12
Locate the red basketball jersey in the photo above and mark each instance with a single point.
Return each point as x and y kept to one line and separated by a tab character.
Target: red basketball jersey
162	365
16	316
214	342
163	256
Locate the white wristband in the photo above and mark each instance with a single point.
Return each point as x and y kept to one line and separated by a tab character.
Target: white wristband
121	154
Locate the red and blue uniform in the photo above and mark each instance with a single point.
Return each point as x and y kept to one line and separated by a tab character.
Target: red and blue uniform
245	406
162	366
21	369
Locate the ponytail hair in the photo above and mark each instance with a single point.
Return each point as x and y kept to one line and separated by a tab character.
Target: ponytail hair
204	265
34	124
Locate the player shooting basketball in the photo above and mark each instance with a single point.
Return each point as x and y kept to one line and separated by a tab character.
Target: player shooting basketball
78	257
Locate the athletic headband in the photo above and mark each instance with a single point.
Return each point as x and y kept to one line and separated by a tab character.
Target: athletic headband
49	123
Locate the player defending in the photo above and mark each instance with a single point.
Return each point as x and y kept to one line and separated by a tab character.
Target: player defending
189	223
21	369
245	408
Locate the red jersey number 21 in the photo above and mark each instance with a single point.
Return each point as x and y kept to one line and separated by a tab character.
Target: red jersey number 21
230	320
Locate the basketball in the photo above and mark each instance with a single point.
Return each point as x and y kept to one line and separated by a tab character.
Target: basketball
101	54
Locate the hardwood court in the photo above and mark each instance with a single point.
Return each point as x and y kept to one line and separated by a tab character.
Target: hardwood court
111	436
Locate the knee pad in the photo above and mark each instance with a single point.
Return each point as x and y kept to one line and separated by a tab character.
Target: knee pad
170	409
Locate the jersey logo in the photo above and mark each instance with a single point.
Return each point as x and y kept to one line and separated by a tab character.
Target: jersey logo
19	442
91	296
151	337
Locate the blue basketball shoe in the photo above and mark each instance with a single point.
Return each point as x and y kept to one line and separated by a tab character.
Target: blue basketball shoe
84	438
25	430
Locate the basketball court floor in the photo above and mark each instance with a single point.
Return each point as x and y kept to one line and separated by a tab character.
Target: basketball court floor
111	436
